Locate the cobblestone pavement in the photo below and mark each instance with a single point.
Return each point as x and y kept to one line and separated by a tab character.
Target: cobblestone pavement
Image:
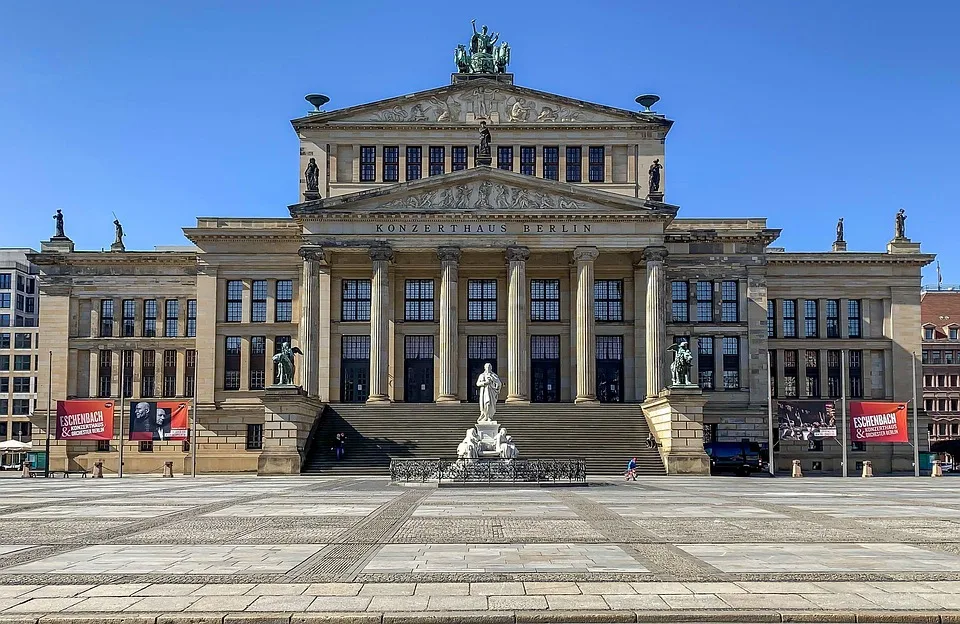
359	550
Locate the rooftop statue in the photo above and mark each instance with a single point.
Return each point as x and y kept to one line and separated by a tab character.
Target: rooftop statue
840	230
482	56
901	224
59	219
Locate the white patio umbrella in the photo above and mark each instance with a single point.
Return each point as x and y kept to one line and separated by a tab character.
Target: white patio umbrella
15	446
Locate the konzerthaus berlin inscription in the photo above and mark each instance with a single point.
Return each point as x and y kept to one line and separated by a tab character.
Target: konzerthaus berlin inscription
478	222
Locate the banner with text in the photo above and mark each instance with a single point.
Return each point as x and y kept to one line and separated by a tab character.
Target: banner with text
875	421
806	420
162	420
84	420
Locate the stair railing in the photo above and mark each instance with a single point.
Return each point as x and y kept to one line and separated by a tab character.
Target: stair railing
308	443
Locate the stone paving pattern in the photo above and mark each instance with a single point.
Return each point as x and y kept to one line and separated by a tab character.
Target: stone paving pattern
349	547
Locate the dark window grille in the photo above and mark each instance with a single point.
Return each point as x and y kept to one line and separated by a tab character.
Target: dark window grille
812	366
505	157
681	302
129	317
574	164
254	437
789	318
834	374
609	347
368	163
146	446
190	373
391	164
414	162
418	300
105	373
597	165
284	302
21	362
729	301
231	365
771	319
545	347
482	300
458	157
171	318
418	347
608	300
258	301
854	323
705	362
258	360
355	301
234	301
833	318
148	370
106	317
482	347
810	318
103	446
126	371
790	374
20	384
437	166
170	373
551	163
544	300
856	374
5	340
356	347
5	281
704	302
528	160
191	318
731	363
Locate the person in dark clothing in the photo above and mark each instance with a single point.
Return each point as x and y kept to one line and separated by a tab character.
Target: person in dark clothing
340	445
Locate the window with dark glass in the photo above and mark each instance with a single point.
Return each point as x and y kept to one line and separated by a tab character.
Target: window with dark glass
231	365
574	164
544	300
5	281
368	163
148	371
126	373
608	300
705	362
129	315
234	301
190	372
528	160
20	282
31	305
150	318
458	156
284	303
191	318
414	162
4	386
254	437
729	301
20	340
437	155
418	300
482	300
4	300
20	384
258	301
4	362
5	340
355	301
171	318
4	318
258	362
20	302
681	302
169	372
704	301
21	407
771	319
789	318
833	318
854	325
551	163
106	317
21	362
505	157
391	164
811	360
146	446
103	446
790	374
597	165
104	373
810	319
935	356
856	374
833	374
731	362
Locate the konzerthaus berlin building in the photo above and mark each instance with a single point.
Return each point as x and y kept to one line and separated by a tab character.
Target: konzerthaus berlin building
409	264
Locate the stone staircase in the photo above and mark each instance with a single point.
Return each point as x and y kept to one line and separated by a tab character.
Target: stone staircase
605	435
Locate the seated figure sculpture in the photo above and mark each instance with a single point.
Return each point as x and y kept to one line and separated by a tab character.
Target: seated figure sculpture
470	447
508	450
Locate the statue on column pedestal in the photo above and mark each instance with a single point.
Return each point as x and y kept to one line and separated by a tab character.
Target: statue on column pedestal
59	219
901	224
285	364
682	361
840	230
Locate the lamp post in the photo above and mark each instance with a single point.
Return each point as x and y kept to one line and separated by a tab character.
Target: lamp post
46	459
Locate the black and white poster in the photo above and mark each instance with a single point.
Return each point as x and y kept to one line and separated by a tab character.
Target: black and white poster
806	420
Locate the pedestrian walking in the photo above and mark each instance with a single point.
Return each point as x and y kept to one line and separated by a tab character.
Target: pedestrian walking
631	470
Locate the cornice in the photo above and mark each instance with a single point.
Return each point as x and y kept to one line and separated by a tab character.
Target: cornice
765	236
446	215
129	258
838	258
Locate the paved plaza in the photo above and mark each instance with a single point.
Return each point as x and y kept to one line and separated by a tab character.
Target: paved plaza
219	549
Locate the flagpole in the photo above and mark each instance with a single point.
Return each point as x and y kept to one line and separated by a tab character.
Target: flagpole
123	392
916	418
770	417
843	407
46	462
193	425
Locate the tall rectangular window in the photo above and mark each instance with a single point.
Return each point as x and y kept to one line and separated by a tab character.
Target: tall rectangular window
680	302
574	164
729	301
170	372
856	374
705	301
458	157
234	301
5	281
528	160
258	301
105	373
482	300
106	318
597	164
833	318
148	373
811	360
789	318
731	363
418	300
284	302
21	341
368	163
437	156
129	313
790	373
771	318
355	300
414	162
705	362
854	324
258	362
150	318
4	300
126	373
190	372
833	374
810	319
505	157
608	300
545	300
191	318
5	340
391	164
231	365
171	318
21	362
254	437
551	163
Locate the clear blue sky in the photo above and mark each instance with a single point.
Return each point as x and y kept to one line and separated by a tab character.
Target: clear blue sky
797	111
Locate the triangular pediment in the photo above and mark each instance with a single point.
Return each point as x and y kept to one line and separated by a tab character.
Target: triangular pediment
482	190
495	102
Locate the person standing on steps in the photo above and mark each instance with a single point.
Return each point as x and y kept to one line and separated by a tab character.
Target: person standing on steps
341	445
631	470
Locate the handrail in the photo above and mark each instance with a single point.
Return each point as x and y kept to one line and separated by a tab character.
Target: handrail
314	429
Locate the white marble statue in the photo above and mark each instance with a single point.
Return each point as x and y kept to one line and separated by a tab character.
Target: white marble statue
470	447
508	450
489	385
500	439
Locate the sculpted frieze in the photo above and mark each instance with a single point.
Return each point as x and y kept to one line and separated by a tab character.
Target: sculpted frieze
486	195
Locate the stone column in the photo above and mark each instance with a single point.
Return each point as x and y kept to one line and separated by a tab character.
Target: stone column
586	335
307	328
449	362
381	256
517	339
656	326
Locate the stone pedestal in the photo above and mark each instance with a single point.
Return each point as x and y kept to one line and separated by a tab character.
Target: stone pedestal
903	246
676	419
839	245
311	195
288	417
655	196
488	431
484	160
60	244
117	247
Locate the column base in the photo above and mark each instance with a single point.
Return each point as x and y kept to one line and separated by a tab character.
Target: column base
587	400
518	400
676	419
378	398
448	399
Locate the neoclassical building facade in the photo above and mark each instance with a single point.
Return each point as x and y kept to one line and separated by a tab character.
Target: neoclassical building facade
411	261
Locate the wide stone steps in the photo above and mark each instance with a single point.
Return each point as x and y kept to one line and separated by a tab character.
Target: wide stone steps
605	435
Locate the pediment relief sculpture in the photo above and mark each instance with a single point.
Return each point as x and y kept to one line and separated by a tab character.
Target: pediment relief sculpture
486	195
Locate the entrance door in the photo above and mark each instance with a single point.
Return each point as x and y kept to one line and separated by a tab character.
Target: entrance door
480	350
355	369
418	369
610	369
544	369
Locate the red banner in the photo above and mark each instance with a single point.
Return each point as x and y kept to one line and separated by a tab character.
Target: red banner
162	420
84	420
872	421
